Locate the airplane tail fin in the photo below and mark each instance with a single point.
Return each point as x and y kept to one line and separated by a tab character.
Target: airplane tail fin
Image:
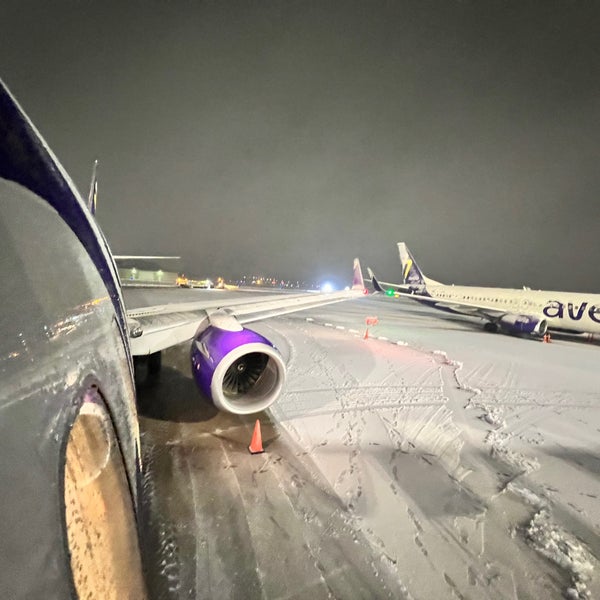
93	193
412	275
357	281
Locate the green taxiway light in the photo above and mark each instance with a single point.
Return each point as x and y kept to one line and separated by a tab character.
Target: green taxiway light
389	292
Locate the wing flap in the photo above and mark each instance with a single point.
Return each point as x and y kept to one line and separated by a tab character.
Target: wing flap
186	307
166	325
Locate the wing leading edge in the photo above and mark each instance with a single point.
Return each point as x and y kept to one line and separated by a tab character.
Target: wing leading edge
155	328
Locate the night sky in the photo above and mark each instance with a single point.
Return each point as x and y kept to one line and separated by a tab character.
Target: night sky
288	137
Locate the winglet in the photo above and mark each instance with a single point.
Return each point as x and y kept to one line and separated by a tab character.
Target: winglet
93	193
376	286
357	280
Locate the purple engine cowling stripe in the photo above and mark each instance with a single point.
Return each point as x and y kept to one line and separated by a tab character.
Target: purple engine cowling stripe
25	160
216	345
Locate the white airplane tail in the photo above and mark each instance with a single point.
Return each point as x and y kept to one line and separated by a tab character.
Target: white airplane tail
357	281
411	273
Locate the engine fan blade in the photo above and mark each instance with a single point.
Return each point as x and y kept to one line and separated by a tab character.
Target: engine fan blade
244	373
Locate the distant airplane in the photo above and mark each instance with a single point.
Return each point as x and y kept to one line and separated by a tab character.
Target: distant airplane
70	468
514	311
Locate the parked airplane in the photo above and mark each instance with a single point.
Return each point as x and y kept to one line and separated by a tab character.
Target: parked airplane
70	469
513	311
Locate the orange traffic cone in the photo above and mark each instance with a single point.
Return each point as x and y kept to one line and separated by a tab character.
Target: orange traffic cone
366	336
547	338
256	446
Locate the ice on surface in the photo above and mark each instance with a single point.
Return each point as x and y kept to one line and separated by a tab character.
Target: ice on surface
494	416
463	464
422	441
563	549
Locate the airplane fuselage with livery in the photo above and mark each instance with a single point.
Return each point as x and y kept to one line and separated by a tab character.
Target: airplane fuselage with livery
566	311
515	311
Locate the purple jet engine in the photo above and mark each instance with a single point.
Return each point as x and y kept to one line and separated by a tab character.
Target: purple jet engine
239	370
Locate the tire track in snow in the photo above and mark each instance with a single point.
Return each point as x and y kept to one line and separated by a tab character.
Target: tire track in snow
411	429
470	564
542	534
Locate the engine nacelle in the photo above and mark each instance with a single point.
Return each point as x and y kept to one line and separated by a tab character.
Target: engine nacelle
237	368
523	324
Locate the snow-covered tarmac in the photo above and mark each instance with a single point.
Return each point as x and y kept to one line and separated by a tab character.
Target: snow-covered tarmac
470	460
434	459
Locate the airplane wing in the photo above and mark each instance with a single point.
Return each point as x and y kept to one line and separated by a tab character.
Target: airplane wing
463	308
378	285
509	319
237	368
155	328
394	286
118	257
